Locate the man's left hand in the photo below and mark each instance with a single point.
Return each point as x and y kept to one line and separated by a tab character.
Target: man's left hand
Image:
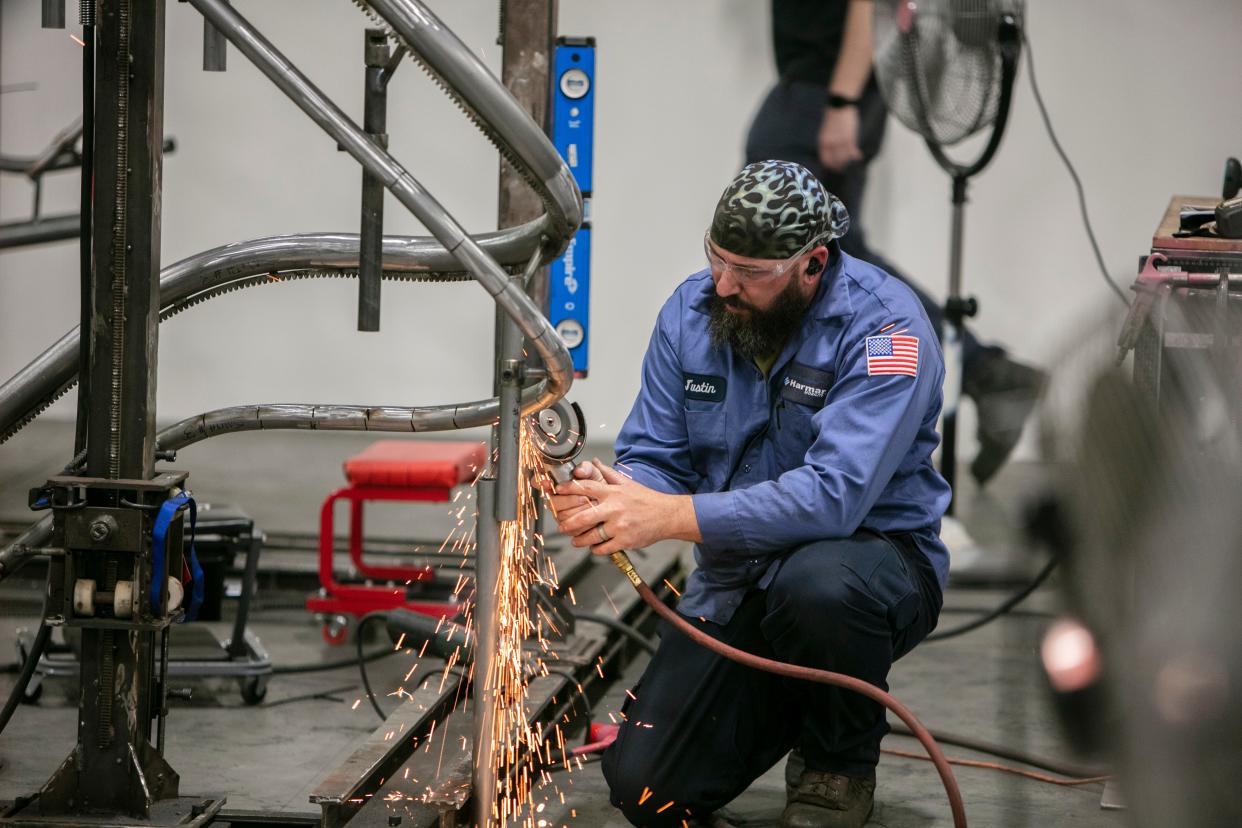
624	514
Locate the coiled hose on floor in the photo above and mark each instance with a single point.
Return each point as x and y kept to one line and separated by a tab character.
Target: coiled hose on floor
794	671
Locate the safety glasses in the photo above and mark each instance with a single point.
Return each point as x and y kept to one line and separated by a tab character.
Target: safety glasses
752	274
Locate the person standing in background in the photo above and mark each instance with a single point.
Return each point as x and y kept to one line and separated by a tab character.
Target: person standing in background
827	114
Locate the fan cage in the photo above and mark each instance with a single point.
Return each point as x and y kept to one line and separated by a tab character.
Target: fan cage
938	63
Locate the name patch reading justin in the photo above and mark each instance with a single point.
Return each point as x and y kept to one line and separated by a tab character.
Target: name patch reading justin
806	385
704	387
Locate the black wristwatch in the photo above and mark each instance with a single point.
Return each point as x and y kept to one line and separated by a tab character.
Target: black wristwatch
836	101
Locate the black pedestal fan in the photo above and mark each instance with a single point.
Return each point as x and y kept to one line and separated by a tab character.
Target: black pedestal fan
946	69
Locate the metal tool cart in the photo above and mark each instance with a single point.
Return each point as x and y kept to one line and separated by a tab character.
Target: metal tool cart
1186	305
194	651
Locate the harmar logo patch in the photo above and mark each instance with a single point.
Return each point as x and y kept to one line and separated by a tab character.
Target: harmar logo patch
806	385
704	387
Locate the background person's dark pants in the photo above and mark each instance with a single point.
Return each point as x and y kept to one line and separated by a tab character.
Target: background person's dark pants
702	727
786	128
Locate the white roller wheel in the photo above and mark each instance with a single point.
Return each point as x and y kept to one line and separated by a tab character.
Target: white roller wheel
84	597
176	594
123	599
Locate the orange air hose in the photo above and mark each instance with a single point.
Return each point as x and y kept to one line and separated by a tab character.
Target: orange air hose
794	671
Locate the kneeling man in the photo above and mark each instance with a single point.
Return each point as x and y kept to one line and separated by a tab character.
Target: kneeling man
785	425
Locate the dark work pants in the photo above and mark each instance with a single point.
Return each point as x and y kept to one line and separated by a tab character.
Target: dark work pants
701	728
787	128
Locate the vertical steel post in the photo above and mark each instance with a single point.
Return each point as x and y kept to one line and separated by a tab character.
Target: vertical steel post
114	768
487	577
510	371
371	240
128	155
508	432
53	14
497	498
527	35
954	355
528	39
215	48
116	706
86	16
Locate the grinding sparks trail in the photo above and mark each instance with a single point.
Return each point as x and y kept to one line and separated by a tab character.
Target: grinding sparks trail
520	749
526	633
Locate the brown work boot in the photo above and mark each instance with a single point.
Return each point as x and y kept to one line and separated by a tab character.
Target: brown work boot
828	800
794	766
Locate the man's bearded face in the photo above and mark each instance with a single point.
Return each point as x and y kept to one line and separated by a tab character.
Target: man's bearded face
752	332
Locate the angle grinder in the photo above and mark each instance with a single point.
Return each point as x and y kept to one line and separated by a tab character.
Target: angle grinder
560	434
560	431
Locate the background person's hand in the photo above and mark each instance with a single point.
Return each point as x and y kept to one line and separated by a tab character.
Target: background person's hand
838	138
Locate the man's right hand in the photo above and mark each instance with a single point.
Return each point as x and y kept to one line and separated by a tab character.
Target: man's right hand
838	138
564	506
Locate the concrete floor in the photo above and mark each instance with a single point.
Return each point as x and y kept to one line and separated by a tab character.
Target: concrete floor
986	684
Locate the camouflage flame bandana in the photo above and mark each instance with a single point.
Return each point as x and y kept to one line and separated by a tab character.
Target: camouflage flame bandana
773	209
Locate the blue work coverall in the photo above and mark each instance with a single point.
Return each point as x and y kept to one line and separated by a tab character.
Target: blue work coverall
820	511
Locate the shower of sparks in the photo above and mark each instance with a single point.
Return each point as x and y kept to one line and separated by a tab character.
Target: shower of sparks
526	632
521	752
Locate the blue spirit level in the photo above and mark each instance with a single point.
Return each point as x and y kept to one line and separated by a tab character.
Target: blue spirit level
573	133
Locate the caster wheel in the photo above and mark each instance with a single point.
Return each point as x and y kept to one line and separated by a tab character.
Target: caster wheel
34	688
33	691
335	632
254	690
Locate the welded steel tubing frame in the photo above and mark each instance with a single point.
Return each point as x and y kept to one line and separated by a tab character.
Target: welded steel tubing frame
500	116
557	363
493	106
526	318
25	546
40	230
251	263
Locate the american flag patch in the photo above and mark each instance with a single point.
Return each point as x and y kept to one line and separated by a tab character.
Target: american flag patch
892	355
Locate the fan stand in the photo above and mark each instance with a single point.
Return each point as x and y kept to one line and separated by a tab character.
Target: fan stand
972	562
957	309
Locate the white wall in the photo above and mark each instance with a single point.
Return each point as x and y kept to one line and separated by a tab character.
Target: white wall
1141	103
1146	104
